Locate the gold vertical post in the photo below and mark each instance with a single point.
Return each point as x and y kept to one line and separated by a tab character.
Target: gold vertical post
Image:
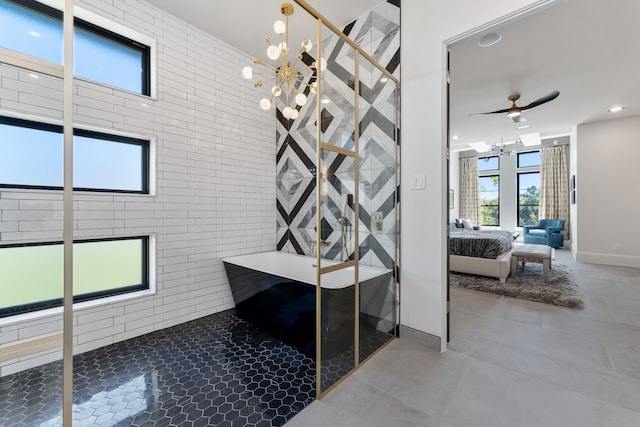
318	214
356	256
67	230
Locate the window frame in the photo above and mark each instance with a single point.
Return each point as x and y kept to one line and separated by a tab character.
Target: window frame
145	145
146	49
531	166
58	302
488	170
518	174
482	205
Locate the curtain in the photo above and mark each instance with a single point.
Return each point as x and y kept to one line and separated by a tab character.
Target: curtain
554	186
470	190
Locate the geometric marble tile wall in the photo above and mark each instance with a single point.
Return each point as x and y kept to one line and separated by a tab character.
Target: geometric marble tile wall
378	33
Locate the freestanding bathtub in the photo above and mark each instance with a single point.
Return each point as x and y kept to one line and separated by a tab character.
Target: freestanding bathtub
276	291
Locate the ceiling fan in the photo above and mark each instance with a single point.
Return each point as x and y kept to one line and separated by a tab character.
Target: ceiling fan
514	111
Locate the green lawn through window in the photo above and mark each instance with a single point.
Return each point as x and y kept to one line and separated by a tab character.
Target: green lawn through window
31	274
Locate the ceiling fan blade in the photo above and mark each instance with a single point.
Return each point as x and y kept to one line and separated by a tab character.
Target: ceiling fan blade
550	97
491	112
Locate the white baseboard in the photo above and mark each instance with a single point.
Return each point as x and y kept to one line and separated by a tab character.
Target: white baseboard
608	259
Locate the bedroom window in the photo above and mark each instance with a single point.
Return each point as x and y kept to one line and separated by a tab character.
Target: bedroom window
491	163
31	276
490	199
528	198
528	187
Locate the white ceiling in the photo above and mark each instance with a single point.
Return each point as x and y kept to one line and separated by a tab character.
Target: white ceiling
587	50
244	23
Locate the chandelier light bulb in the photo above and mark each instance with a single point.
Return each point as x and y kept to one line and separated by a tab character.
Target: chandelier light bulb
279	27
287	112
323	64
313	87
306	45
294	114
273	52
265	103
282	47
247	72
276	90
301	99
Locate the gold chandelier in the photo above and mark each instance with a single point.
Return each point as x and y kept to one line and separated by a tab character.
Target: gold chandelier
289	75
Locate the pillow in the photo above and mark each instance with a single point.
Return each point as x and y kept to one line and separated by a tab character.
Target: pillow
467	224
459	223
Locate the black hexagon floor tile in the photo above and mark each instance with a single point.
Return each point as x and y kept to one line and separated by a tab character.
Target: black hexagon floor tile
218	370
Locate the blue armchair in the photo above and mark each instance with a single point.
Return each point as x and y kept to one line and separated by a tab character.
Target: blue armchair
545	232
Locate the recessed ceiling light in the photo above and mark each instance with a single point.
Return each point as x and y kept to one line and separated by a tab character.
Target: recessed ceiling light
490	39
384	79
455	137
615	109
34	33
523	127
326	100
34	76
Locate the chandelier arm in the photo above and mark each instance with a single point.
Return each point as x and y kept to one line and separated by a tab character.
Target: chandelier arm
266	81
308	67
269	66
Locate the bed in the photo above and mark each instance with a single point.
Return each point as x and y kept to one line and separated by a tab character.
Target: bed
481	252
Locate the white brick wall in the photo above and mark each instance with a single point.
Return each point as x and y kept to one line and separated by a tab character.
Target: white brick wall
215	176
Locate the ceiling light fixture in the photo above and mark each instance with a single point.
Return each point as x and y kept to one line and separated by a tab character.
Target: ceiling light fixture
289	74
455	137
490	39
501	149
616	109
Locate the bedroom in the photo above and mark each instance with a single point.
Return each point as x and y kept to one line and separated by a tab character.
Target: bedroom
590	80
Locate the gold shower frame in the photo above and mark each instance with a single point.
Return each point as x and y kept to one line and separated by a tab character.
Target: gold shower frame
320	145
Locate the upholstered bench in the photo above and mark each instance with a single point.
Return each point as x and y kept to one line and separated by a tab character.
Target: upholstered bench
532	253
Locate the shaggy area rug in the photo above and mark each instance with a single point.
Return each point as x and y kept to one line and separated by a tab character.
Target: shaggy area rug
529	284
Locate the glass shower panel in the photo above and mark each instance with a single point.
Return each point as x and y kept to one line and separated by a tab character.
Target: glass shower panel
337	206
31	253
338	91
378	208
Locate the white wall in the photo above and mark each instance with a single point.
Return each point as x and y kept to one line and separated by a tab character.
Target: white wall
607	192
425	27
215	179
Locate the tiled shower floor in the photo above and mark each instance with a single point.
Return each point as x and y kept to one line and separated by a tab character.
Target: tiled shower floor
214	371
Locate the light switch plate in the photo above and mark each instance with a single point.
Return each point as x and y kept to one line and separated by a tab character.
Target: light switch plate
418	182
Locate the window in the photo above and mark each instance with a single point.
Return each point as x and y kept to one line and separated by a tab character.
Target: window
31	156
99	54
528	187
529	159
488	163
31	275
490	199
528	198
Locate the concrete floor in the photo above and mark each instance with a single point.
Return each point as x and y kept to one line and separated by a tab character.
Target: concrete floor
510	363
